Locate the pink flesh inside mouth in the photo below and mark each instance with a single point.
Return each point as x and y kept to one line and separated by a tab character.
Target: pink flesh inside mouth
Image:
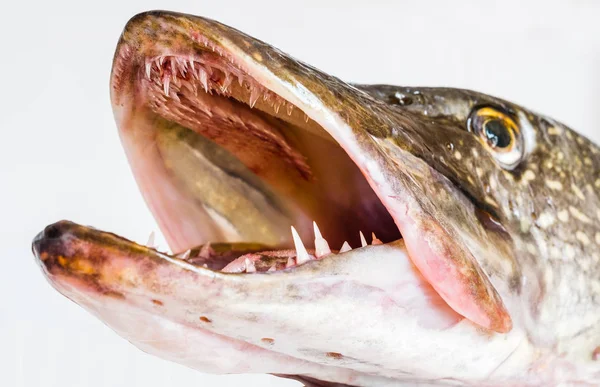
213	98
199	94
311	176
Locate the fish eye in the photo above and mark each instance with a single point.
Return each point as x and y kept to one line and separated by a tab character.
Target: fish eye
499	133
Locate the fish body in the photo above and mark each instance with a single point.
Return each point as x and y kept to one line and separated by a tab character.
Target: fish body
453	237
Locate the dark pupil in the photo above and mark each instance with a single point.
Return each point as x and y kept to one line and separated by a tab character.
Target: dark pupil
497	134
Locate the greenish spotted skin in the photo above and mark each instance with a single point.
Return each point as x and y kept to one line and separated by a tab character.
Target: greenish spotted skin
548	204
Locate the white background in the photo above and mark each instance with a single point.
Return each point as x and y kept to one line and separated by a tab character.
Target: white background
61	158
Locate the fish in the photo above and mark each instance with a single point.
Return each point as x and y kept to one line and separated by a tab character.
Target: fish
334	233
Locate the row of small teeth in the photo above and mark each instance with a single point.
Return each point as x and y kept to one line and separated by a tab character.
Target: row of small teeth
173	73
322	246
322	249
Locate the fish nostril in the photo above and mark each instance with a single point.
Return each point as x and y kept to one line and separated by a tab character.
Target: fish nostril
52	232
44	239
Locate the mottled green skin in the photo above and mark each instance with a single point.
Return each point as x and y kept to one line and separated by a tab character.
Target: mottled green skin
548	204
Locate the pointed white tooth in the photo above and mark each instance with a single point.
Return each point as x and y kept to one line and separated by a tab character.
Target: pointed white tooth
203	78
277	106
272	268
174	67
305	118
301	253
363	241
161	60
175	79
321	245
186	255
241	81
290	262
345	247
148	69
289	109
151	240
194	71
226	82
375	241
250	268
166	82
254	96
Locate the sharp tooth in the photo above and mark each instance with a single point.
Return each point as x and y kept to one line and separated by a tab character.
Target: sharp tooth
151	240
363	241
289	109
277	106
161	60
273	268
186	255
305	118
226	82
166	82
290	262
375	241
250	268
175	79
345	247
301	253
321	245
241	81
203	78
174	66
254	96
194	71
148	69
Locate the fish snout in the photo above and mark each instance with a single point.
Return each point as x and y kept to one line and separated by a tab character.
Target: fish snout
52	244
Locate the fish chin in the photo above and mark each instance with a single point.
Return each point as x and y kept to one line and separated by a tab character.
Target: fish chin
231	143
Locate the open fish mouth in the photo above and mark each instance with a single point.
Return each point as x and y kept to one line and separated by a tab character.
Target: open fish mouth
280	195
248	163
255	163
